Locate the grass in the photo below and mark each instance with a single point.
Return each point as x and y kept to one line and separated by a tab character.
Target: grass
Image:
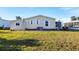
39	40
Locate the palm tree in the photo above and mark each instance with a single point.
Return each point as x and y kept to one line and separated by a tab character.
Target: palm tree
73	18
18	18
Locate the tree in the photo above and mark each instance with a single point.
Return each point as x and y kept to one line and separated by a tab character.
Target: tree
1	18
78	18
18	18
73	18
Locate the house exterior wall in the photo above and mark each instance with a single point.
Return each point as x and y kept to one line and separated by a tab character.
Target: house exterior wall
34	23
41	23
14	27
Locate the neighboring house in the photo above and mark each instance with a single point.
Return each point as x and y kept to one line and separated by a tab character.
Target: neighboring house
4	23
37	22
73	24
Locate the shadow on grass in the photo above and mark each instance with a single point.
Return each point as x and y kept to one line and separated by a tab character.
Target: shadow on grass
15	45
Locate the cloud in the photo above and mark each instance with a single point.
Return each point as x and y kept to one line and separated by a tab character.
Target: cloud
67	8
75	12
63	20
72	10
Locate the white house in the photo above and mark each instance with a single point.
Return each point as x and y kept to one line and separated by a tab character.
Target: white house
35	22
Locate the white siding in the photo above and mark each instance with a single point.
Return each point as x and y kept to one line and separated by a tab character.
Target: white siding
14	27
41	23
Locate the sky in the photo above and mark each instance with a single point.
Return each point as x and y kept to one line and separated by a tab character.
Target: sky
60	13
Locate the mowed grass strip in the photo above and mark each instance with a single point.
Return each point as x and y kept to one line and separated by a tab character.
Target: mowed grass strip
39	40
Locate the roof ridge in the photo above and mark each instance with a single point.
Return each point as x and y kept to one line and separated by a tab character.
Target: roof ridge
39	15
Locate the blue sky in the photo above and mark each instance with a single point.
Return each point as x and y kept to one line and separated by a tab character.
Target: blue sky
60	13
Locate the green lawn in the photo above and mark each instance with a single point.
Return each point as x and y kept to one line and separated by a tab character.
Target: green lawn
39	40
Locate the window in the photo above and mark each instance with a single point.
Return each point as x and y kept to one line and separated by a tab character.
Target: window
17	24
31	21
46	23
37	21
